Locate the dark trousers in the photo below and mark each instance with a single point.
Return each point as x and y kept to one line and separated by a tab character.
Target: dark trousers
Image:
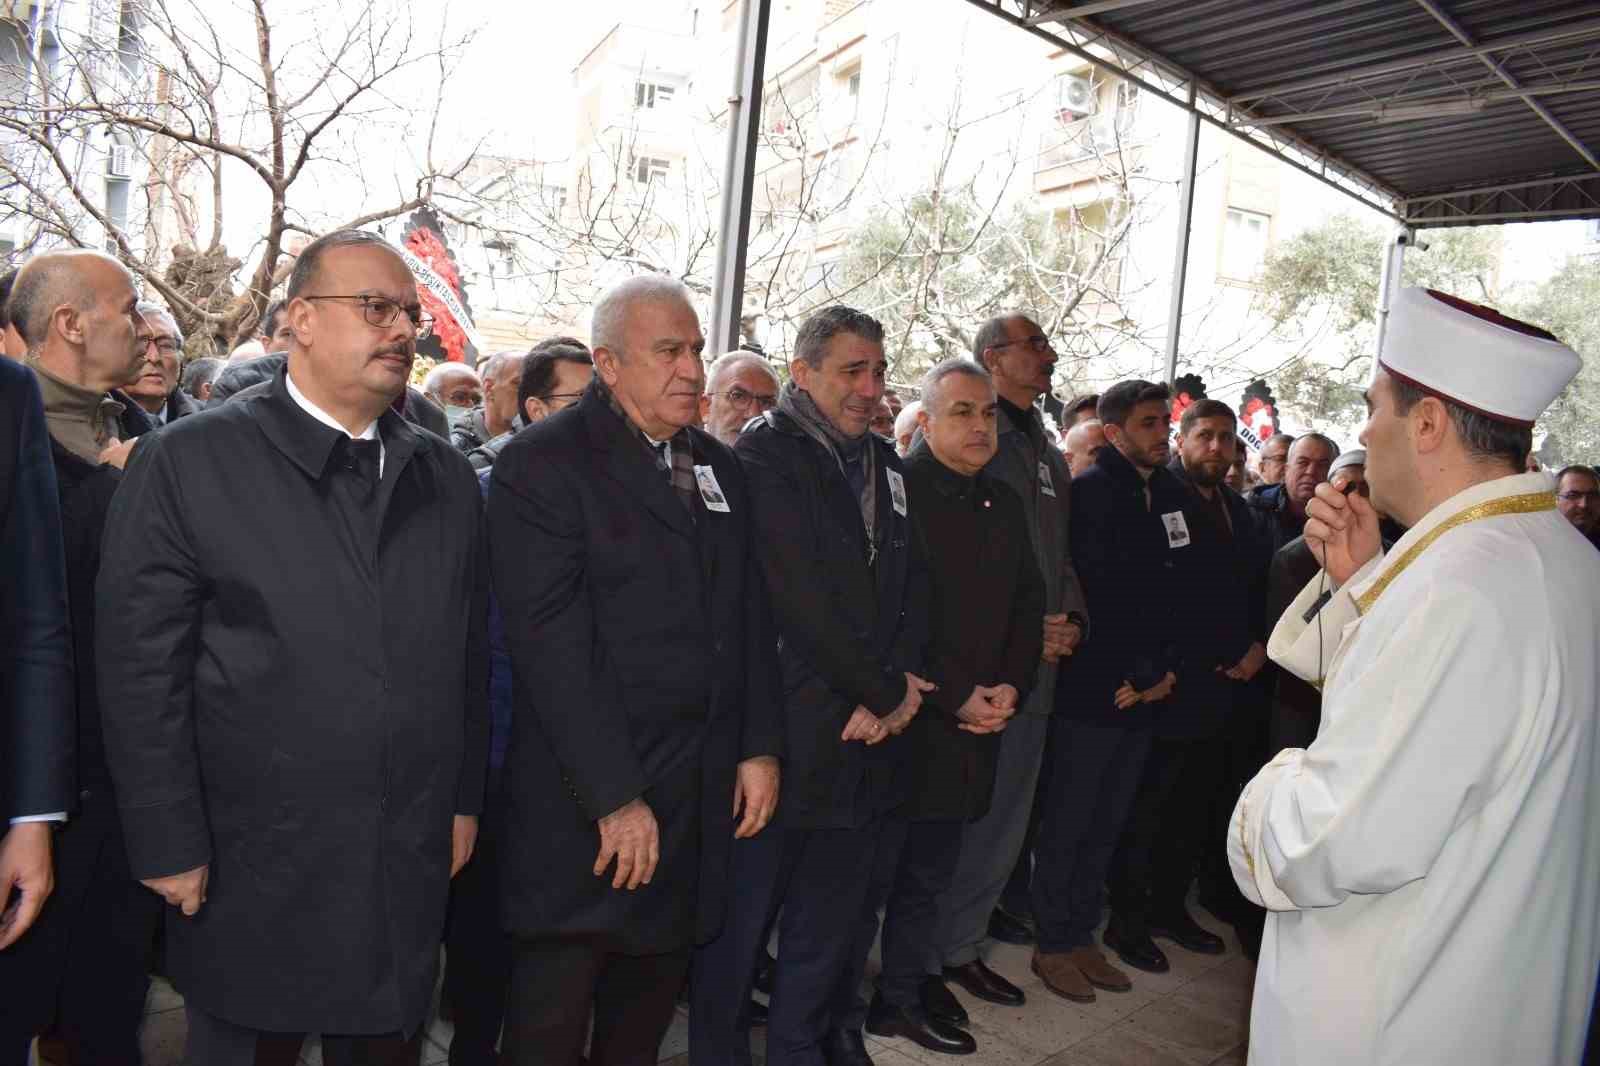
723	971
823	939
557	984
928	854
1244	750
477	950
1017	897
214	1042
1167	829
1094	774
84	965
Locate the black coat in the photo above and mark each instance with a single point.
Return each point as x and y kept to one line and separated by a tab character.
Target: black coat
1296	704
642	667
1275	523
1218	598
985	628
273	709
1129	567
848	630
36	668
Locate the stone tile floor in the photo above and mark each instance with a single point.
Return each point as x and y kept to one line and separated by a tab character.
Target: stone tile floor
1195	1015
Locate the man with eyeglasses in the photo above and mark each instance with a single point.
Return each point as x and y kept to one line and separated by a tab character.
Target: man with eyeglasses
739	386
298	764
156	388
1578	499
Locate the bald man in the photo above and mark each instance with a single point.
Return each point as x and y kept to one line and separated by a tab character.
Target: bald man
77	313
905	427
739	386
1084	440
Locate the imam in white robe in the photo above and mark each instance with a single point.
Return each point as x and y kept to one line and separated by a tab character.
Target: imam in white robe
1432	862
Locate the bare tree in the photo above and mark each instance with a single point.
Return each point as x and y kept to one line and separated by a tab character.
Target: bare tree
196	94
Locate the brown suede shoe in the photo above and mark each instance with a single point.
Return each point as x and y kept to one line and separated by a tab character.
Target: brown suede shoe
1100	973
1062	977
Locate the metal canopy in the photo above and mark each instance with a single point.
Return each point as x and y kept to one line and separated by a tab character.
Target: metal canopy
1434	112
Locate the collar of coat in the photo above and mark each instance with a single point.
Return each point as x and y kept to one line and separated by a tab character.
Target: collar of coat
1118	466
309	444
946	481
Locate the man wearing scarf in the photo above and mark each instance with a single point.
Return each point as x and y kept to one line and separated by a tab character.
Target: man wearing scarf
849	594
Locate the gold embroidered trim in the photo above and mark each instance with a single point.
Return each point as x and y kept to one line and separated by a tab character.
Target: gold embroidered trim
1527	504
1244	836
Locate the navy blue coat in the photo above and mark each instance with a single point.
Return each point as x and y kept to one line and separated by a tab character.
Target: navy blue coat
36	677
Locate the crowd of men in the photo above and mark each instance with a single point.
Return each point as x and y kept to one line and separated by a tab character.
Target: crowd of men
608	670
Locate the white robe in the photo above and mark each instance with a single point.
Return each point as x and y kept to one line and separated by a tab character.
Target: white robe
1432	861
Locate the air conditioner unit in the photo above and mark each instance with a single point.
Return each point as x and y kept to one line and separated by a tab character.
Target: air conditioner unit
1076	97
120	165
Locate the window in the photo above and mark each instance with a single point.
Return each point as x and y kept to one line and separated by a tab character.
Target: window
649	95
648	168
1244	243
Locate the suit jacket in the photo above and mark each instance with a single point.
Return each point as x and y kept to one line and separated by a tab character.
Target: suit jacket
36	685
273	709
1128	563
984	629
642	668
848	630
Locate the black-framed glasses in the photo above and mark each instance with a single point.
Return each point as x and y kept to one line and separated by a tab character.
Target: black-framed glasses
1569	497
1038	343
568	398
380	311
744	398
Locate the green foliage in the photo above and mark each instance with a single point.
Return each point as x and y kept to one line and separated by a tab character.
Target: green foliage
1568	305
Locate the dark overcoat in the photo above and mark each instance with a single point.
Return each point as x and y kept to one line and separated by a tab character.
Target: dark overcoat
273	708
985	628
848	628
642	664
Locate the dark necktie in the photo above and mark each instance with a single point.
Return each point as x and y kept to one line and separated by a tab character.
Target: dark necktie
361	461
678	465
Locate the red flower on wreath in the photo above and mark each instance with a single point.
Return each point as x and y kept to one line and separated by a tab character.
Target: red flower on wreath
426	246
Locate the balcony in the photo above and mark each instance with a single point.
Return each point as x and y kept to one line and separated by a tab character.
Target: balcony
1081	156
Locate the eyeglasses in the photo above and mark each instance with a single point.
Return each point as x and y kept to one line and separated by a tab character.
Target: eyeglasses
380	311
1039	343
1569	497
164	345
570	398
742	398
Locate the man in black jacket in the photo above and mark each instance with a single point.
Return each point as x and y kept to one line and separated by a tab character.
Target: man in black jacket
1216	592
1128	529
85	962
36	685
849	591
642	661
1280	510
298	764
985	640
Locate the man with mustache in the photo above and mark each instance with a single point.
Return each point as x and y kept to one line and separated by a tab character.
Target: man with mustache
1280	510
298	765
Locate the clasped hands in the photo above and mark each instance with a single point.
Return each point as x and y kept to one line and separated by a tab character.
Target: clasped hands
870	729
1127	696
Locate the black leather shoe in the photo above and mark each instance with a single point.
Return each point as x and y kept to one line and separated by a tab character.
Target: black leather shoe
1136	949
758	1013
1187	933
913	1024
984	983
1009	929
941	1005
845	1047
764	973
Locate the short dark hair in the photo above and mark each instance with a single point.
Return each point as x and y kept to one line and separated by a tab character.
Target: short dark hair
1089	401
1118	402
811	343
1205	408
562	341
991	333
539	367
6	281
1483	437
1577	468
269	319
198	372
309	261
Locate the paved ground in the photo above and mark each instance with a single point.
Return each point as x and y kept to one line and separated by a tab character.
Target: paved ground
1195	1015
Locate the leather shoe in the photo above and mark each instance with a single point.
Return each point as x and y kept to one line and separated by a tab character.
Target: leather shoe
1062	976
764	973
941	1005
913	1024
1091	962
1134	947
845	1047
984	983
1008	928
758	1013
1180	928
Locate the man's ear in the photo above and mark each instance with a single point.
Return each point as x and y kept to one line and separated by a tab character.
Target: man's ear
705	407
533	409
1430	424
68	321
605	365
800	373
